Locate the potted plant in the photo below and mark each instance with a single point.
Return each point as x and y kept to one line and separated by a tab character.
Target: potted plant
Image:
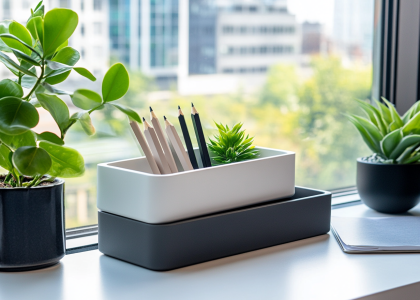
389	180
32	231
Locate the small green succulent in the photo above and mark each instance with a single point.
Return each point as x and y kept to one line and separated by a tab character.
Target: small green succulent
231	145
393	139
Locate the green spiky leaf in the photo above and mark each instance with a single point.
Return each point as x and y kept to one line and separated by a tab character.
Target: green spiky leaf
231	145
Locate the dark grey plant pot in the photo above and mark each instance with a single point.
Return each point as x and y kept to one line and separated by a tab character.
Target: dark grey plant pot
32	227
388	188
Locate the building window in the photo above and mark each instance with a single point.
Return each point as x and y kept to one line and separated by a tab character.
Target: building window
97	5
82	29
98	50
82	5
6	9
65	3
97	28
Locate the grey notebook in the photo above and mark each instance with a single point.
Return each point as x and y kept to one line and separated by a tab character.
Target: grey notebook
380	235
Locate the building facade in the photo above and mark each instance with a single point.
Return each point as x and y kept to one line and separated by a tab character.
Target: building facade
202	37
91	36
252	36
353	31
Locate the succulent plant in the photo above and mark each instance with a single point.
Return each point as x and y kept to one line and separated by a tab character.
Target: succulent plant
394	139
231	145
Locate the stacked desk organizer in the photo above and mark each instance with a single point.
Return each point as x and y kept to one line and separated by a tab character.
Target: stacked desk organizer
164	222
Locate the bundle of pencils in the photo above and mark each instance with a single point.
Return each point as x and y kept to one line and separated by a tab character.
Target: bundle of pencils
161	152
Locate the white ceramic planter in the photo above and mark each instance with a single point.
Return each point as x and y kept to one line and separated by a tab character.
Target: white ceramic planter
129	188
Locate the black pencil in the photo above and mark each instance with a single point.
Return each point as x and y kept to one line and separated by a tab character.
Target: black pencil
205	157
187	138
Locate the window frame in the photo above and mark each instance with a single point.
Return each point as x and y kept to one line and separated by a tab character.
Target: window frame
396	71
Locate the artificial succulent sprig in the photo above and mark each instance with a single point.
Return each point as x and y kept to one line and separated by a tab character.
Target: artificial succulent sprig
231	145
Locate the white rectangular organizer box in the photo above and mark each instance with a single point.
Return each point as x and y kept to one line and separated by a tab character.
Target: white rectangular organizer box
128	188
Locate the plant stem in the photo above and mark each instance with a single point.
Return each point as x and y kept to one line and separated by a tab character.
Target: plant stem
1	143
95	108
32	182
27	97
7	178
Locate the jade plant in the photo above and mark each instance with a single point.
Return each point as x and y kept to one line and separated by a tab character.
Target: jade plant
38	55
394	139
231	145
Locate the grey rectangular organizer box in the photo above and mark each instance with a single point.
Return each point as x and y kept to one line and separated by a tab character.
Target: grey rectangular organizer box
163	247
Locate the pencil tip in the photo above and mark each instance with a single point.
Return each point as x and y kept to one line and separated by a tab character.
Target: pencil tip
164	118
144	119
192	104
179	107
150	109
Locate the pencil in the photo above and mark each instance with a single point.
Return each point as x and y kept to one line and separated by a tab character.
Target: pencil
205	157
152	139
163	141
146	149
177	145
187	138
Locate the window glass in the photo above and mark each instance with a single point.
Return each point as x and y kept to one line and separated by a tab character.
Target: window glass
287	69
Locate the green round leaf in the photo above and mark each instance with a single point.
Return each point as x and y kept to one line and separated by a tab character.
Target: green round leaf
17	141
58	78
86	99
115	83
67	56
38	11
36	28
4	28
128	111
17	116
50	137
84	118
13	66
26	58
65	44
10	88
59	25
31	161
5	155
85	73
57	108
66	162
19	31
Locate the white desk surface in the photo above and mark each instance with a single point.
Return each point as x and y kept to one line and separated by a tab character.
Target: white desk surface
314	268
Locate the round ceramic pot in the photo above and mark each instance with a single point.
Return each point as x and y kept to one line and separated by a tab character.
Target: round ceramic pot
32	231
387	188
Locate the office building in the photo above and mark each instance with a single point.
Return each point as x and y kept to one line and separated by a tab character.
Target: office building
312	38
144	35
202	37
91	37
252	36
353	30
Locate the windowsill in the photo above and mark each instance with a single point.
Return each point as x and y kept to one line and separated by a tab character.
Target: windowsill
313	268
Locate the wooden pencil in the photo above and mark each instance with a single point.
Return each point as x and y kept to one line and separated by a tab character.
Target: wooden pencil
152	139
205	157
163	141
187	138
177	145
146	149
